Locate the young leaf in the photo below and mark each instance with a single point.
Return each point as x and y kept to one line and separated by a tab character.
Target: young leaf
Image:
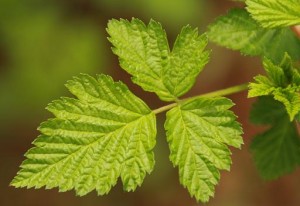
282	82
277	151
275	13
144	53
238	31
198	133
104	134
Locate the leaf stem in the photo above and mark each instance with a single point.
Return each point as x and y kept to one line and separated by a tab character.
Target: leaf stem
221	92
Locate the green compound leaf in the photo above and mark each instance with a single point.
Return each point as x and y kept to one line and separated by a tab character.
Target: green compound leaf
277	151
144	53
105	134
238	31
198	133
282	81
275	13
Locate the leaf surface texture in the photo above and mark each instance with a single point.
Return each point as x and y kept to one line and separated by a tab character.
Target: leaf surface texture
104	134
198	132
144	53
275	13
238	31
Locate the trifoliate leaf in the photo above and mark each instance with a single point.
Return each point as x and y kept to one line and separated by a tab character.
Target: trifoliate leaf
105	134
198	132
238	31
277	151
144	53
275	13
282	81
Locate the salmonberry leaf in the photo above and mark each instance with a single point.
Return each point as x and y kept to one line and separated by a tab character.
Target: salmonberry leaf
282	81
275	13
144	53
198	132
277	151
105	134
238	31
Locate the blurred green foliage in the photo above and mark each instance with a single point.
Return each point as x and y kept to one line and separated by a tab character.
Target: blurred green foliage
172	13
43	48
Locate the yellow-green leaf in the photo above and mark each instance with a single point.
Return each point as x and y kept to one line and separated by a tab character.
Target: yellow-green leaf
104	134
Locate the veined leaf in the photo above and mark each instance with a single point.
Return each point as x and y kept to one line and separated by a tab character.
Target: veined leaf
144	53
238	31
277	151
290	97
275	13
198	133
282	81
187	60
104	134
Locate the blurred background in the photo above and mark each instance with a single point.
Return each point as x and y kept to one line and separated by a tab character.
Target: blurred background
43	43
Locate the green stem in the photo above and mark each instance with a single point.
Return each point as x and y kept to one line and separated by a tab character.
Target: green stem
222	92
